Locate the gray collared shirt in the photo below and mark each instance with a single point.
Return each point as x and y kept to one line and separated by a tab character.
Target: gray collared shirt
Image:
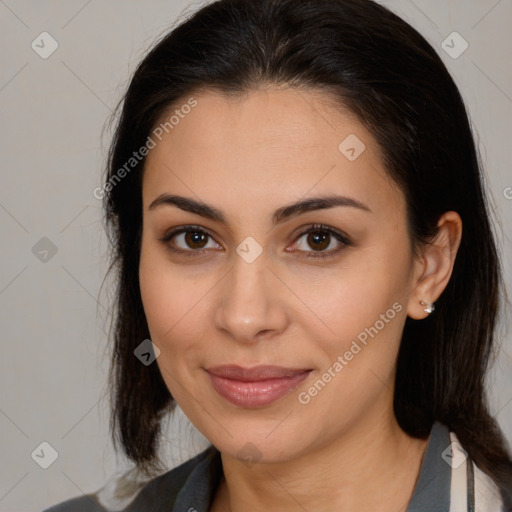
191	486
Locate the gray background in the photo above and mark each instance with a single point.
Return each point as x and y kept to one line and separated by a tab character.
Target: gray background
53	364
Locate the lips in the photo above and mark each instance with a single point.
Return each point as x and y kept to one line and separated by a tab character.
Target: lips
255	387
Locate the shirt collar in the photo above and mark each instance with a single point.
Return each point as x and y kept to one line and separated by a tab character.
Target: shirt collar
432	490
199	489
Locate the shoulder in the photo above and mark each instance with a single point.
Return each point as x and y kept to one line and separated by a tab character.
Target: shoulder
87	503
166	486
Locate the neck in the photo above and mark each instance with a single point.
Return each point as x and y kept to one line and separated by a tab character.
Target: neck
372	466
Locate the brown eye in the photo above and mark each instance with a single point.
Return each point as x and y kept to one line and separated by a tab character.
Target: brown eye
188	241
319	238
196	239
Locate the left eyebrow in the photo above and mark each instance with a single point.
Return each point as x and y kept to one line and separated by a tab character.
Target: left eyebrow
280	215
316	203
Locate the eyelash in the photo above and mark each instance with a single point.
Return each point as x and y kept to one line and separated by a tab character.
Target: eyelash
338	235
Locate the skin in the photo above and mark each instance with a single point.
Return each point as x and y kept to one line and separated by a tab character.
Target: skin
248	156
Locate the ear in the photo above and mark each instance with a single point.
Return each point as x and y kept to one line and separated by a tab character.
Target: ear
433	268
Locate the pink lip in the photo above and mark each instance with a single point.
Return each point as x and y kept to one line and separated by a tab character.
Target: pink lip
257	386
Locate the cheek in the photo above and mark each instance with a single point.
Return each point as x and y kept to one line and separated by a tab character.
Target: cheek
167	295
174	321
175	304
358	291
362	307
158	299
166	305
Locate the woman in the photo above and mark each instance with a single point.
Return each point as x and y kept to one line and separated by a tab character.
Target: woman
306	267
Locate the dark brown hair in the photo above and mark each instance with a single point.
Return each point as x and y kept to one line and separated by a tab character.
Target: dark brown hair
384	71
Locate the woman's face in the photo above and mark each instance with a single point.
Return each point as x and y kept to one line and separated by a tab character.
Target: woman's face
256	284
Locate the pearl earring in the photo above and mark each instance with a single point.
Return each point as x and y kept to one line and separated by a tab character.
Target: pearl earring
429	307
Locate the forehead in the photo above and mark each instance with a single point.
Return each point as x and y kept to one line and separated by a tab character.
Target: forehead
282	143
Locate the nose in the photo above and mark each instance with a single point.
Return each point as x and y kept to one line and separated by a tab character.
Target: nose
251	305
